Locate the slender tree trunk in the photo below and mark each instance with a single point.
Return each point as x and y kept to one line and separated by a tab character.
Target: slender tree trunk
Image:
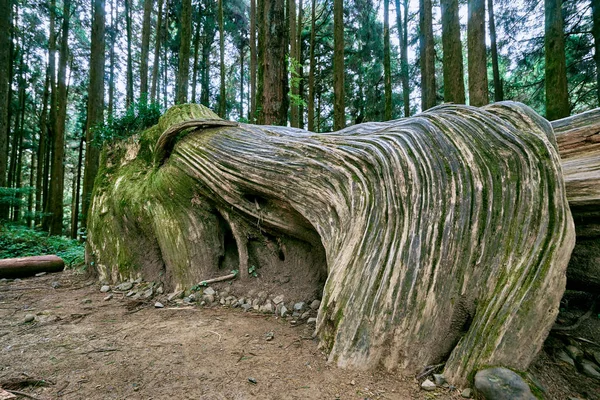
95	106
454	84
5	61
241	110
557	95
427	55
477	60
113	39
498	89
77	191
129	99
253	93
300	65
596	34
18	136
339	110
260	67
311	72
403	33
159	38
222	98
195	64
294	55
30	196
148	4
39	188
183	71
387	67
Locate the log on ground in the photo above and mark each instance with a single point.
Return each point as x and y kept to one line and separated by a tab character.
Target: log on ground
28	266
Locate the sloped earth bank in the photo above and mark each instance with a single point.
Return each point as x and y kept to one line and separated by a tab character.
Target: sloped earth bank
89	348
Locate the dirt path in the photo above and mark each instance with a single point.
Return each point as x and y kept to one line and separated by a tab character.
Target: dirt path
122	349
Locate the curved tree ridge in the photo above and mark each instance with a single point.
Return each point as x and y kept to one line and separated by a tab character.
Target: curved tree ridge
446	235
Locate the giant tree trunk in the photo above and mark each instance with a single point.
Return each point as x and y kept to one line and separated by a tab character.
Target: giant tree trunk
444	237
454	84
477	58
427	55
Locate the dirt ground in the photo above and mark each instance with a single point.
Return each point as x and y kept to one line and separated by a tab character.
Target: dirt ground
86	348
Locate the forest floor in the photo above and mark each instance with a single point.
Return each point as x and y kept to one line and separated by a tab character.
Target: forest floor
83	347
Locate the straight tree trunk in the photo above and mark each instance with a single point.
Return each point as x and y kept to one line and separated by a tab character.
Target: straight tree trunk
19	133
339	110
159	37
253	66
30	196
241	110
183	71
477	60
596	34
311	72
5	61
557	95
387	67
95	105
275	100
129	98
294	55
76	192
148	4
300	71
498	88
454	84
402	24
222	98
195	63
427	55
113	39
41	155
55	205
261	19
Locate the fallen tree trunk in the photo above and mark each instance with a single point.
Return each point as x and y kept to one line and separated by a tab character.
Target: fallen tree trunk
443	237
578	139
28	266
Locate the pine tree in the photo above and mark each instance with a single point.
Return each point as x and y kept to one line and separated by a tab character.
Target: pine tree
557	95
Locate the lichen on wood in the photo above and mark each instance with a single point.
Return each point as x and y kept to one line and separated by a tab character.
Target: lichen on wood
446	235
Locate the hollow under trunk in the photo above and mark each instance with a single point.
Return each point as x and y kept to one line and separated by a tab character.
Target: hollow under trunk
442	238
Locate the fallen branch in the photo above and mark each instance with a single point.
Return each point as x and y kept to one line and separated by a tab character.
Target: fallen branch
429	369
218	279
18	393
26	266
579	320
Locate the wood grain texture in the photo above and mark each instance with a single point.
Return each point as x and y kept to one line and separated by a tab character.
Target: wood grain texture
447	235
28	266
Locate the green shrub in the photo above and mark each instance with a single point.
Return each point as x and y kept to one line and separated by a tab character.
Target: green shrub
19	241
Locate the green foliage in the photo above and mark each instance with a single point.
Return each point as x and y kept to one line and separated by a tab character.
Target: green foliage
138	117
15	196
19	241
295	79
252	271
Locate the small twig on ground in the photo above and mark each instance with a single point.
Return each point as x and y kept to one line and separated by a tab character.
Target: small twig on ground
62	387
218	279
429	369
100	351
18	393
217	335
18	383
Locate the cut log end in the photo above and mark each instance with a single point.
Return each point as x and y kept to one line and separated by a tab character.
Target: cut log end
29	266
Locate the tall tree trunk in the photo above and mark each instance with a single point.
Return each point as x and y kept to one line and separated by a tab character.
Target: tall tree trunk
253	66
159	37
311	72
183	71
30	196
274	94
557	95
260	66
596	34
113	39
339	109
57	176
241	110
427	55
129	98
77	191
477	60
195	63
498	89
39	186
300	65
5	61
95	105
294	55
402	24
145	47
16	161
222	98
387	67
454	84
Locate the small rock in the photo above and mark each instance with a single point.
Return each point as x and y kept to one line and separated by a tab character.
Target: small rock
17	280
130	293
209	291
590	369
299	306
29	318
208	298
284	279
255	302
158	304
110	296
311	321
138	280
40	274
315	304
352	382
202	303
192	298
466	393
222	301
55	284
3	280
86	301
105	288
283	311
428	385
293	322
175	295
124	286
148	293
262	295
267	307
439	379
160	290
574	352
252	381
246	306
305	315
278	299
502	384
564	357
269	336
296	314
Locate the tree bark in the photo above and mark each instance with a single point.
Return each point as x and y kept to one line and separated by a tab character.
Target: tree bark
498	87
253	62
145	47
222	91
339	109
95	105
477	58
195	63
76	192
5	28
557	95
41	154
313	65
130	97
387	63
454	84
28	266
402	24
299	57
113	39
159	38
294	55
183	71
427	55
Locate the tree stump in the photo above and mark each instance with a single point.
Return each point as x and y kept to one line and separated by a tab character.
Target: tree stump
443	237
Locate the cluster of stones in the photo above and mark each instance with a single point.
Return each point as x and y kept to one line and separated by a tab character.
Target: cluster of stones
585	360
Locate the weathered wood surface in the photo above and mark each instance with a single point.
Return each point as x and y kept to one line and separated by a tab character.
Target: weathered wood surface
27	266
446	235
